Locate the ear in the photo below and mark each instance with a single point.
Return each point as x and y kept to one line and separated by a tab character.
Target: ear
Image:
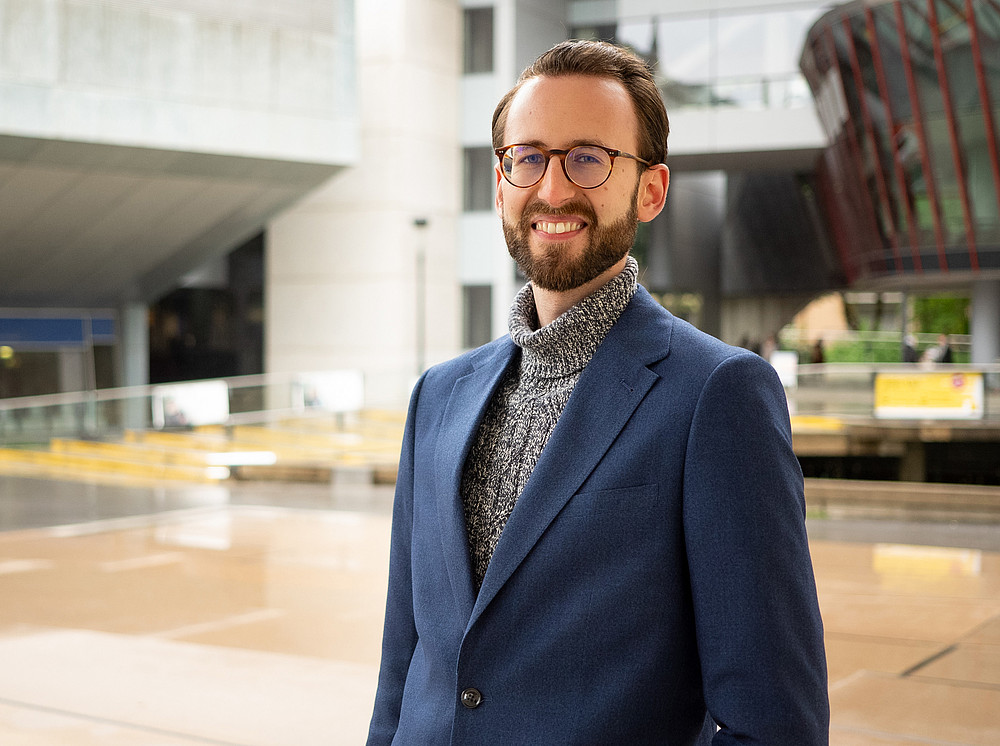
499	190
653	192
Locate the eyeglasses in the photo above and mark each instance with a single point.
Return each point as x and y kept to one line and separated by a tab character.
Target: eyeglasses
587	166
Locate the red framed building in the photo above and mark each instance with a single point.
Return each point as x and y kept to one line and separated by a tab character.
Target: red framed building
908	92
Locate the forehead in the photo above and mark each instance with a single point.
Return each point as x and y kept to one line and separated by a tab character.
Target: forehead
568	109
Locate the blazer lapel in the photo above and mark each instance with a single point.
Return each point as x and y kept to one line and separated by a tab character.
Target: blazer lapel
459	425
610	388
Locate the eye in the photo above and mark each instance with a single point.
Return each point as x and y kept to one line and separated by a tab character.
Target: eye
589	157
528	157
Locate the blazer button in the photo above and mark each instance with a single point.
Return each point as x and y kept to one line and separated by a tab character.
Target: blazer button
472	698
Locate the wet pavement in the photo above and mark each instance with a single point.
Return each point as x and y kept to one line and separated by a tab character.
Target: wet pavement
251	614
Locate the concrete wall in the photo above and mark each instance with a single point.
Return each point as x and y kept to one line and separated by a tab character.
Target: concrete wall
985	324
233	78
343	284
754	319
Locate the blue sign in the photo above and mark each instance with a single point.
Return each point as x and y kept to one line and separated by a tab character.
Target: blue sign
56	332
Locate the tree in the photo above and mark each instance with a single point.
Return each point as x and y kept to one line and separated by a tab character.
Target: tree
941	314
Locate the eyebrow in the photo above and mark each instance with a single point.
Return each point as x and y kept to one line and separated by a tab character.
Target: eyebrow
572	144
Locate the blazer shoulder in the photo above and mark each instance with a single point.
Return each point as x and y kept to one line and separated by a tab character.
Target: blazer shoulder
696	355
653	325
699	344
497	352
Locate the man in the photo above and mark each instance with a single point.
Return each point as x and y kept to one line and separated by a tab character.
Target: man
598	532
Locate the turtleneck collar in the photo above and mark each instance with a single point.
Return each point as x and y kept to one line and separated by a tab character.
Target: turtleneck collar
564	347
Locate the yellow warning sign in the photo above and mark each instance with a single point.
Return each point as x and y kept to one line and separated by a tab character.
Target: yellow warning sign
929	395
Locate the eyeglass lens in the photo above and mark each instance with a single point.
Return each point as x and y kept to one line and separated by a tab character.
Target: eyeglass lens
585	165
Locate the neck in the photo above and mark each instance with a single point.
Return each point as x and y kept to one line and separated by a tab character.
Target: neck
551	304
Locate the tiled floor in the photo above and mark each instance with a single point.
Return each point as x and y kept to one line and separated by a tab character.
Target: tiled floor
173	618
913	642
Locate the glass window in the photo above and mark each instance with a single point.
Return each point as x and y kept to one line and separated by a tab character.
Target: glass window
680	47
477	315
892	61
739	59
681	51
477	179
479	40
757	59
988	25
762	45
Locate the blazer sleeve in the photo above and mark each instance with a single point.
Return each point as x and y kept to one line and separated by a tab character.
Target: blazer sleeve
759	631
399	635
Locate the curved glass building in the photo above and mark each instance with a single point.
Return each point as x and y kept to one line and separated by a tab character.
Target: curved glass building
908	92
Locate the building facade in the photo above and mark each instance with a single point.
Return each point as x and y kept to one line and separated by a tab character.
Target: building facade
343	151
140	142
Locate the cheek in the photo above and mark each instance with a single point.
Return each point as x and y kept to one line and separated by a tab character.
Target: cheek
603	209
601	199
512	204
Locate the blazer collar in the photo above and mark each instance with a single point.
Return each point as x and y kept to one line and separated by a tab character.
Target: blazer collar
463	414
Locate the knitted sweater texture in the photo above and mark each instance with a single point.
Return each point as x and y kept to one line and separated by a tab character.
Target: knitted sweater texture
524	411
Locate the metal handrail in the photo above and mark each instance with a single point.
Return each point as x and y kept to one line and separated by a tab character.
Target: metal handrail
107	413
130	392
836	389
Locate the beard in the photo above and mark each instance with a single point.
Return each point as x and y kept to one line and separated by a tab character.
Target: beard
551	268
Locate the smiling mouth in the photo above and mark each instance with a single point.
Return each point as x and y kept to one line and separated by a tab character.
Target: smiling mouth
557	228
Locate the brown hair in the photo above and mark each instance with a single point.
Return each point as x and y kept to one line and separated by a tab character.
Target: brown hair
603	60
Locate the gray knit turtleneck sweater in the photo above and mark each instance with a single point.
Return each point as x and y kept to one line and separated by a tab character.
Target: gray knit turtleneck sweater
528	403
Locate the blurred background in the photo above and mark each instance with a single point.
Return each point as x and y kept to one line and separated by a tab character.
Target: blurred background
233	233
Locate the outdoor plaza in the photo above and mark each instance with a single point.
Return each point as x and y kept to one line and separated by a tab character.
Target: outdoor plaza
249	613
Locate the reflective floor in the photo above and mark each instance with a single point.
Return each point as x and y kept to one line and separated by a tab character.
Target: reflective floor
251	615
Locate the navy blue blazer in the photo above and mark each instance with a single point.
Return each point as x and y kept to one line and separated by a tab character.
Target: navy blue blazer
653	584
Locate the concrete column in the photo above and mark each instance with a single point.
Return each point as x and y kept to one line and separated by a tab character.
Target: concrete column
985	322
72	370
73	376
341	266
133	343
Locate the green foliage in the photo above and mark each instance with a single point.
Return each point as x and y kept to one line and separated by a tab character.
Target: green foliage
863	352
941	314
870	351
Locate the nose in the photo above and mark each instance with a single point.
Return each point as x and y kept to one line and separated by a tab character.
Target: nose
554	187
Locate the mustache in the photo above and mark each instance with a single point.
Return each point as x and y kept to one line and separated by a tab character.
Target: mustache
537	207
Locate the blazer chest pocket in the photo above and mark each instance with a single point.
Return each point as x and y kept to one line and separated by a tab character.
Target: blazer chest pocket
626	523
623	503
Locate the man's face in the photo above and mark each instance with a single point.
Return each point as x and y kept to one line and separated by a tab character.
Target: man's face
563	236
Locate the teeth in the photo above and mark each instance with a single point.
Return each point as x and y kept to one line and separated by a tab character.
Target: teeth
559	227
